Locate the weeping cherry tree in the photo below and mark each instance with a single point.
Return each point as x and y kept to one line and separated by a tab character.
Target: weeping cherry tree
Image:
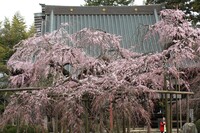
97	89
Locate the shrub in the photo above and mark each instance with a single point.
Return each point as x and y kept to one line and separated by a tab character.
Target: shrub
197	123
13	129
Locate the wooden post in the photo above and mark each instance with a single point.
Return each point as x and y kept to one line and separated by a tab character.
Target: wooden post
170	107
54	125
111	115
117	123
46	124
86	114
166	106
188	111
128	124
123	124
70	129
167	113
181	124
148	128
18	124
171	115
177	116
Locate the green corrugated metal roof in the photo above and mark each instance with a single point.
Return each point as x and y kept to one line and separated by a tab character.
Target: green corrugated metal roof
131	23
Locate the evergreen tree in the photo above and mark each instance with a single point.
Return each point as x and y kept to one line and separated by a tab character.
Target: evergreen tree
108	2
10	34
5	44
3	57
1	32
31	31
18	28
195	8
6	33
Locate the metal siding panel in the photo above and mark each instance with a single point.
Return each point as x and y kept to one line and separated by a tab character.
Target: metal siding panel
77	19
92	25
54	23
71	24
117	26
101	22
51	21
140	40
144	48
122	31
133	33
108	23
66	21
70	20
135	26
97	21
147	42
156	46
86	25
47	19
120	27
62	19
105	26
81	21
152	41
137	39
112	24
86	21
125	31
89	49
58	22
127	26
128	30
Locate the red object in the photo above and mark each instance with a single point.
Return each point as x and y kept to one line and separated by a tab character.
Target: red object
162	126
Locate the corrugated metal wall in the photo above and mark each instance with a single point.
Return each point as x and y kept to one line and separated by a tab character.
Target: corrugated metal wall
129	22
132	28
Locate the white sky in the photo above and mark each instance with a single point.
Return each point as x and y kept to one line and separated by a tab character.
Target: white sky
27	8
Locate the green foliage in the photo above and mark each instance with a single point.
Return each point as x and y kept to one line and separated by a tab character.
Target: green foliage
188	6
31	31
5	54
9	129
22	129
107	2
197	123
4	82
1	108
196	8
18	29
11	33
14	31
2	52
5	35
3	69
